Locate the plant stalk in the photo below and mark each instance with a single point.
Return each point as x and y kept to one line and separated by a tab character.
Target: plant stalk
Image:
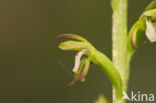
119	43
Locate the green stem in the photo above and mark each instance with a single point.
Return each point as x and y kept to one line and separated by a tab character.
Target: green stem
119	40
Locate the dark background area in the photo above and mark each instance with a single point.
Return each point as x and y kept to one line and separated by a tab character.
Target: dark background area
34	70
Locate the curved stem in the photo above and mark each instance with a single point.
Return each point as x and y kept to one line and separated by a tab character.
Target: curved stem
110	70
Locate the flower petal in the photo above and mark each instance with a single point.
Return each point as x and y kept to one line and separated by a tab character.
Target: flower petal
73	45
151	13
83	61
150	31
136	33
77	61
84	72
72	36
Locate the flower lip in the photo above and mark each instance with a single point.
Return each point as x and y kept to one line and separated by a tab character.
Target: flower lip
150	31
82	71
77	61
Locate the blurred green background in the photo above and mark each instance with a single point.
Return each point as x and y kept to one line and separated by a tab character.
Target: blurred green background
34	70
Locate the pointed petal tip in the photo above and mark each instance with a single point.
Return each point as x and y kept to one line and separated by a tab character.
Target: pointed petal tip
70	84
67	45
68	36
72	36
61	46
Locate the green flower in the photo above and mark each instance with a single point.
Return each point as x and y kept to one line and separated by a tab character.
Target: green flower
87	54
84	48
145	24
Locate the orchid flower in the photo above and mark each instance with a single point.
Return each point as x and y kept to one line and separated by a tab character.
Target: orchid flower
146	24
87	54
